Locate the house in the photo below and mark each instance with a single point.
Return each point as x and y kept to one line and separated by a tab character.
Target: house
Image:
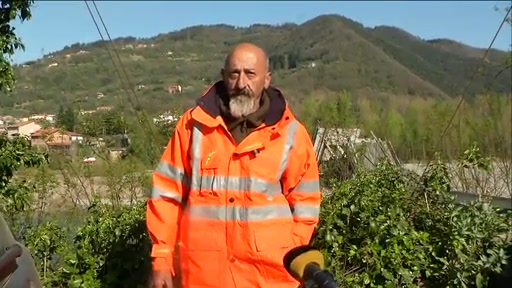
22	129
75	137
166	118
95	142
116	153
43	117
104	108
51	139
174	89
7	119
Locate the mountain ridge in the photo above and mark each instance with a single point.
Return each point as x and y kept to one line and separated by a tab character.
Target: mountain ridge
327	53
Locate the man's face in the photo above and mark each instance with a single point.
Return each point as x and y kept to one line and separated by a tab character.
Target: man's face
245	78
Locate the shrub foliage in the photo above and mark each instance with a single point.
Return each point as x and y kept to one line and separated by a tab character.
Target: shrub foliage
388	228
383	228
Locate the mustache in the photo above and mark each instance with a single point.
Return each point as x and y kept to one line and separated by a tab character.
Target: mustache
242	92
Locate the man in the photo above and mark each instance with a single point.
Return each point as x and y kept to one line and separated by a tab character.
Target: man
236	187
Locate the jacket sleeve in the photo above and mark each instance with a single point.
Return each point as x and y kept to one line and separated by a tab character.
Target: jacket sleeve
301	186
170	185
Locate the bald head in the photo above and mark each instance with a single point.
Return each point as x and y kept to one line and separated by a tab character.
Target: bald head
246	75
248	49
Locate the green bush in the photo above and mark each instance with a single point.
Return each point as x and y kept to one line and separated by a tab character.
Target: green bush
382	228
110	249
389	228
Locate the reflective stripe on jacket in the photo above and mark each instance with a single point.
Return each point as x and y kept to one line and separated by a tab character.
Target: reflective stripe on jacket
234	210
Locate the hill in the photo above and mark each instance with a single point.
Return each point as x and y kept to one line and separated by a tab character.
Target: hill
327	53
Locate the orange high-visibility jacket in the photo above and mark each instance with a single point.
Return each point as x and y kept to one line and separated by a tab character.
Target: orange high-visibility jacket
233	210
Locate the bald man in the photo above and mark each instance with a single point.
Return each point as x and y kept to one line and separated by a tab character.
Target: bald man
237	186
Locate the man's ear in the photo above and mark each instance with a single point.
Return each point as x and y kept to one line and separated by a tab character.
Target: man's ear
268	79
222	73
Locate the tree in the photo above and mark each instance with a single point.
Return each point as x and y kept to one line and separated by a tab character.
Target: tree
14	153
67	118
114	123
15	196
60	114
10	10
508	19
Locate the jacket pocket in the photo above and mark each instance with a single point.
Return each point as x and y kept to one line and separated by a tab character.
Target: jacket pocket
200	253
200	268
208	180
272	243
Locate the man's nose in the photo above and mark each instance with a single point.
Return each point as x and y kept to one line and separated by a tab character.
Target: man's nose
242	82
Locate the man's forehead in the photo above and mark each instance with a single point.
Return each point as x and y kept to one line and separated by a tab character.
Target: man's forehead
242	59
246	60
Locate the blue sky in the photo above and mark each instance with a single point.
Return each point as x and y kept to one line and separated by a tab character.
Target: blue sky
56	24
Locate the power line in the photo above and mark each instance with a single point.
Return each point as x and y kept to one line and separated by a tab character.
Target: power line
115	51
466	88
127	85
120	62
108	50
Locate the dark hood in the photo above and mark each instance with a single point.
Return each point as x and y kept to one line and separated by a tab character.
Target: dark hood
210	103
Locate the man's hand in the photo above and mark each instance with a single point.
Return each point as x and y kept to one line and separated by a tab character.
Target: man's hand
161	279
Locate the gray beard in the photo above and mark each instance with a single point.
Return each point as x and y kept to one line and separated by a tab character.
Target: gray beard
241	106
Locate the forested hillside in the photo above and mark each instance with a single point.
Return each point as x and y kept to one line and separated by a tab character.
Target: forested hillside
329	53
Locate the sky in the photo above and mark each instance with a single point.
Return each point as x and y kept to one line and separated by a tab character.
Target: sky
56	24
